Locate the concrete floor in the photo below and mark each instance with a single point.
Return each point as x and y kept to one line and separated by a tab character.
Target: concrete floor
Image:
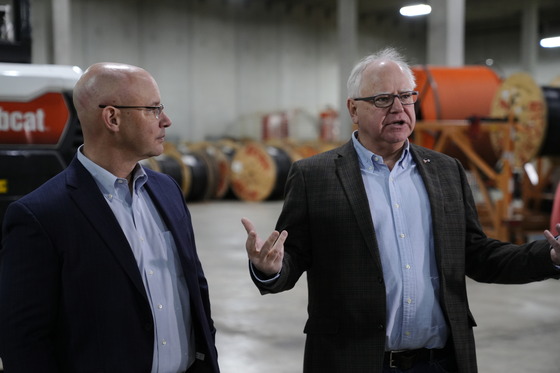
518	325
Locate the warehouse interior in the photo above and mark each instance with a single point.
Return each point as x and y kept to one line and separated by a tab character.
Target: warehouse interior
254	85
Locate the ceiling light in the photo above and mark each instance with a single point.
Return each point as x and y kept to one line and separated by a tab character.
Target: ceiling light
550	42
416	10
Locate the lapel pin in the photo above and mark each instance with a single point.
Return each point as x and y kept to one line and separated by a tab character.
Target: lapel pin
426	160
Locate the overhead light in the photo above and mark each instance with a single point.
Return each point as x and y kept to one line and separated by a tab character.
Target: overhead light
10	73
553	42
416	10
532	173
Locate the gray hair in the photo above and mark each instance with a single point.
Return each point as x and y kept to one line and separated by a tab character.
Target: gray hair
354	83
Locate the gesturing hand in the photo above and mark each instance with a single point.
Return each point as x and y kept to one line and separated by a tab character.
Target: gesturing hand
266	256
554	244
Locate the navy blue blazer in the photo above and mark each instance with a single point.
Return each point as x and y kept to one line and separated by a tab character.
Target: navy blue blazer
71	294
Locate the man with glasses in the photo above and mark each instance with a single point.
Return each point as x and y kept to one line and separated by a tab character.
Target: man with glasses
98	267
386	231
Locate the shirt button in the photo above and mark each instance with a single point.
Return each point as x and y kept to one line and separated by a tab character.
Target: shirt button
407	334
150	272
164	342
160	306
397	205
376	159
409	301
407	266
401	235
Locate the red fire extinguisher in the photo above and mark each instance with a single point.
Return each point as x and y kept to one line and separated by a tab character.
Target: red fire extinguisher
328	124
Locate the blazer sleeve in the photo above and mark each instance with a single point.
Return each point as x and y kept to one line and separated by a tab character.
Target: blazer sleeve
297	249
493	261
28	293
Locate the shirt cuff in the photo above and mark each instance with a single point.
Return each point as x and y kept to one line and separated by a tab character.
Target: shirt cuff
261	277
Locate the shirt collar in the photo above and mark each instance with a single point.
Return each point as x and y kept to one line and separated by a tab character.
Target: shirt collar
106	180
369	159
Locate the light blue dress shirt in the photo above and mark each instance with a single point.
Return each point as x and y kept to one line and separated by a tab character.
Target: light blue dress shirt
155	251
400	209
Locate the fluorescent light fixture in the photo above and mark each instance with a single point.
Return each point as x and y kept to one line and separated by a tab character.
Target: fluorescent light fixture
531	172
550	42
416	10
10	73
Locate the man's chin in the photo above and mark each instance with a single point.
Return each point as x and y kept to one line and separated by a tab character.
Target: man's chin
155	152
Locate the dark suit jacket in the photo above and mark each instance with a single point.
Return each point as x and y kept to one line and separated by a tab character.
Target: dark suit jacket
331	237
71	295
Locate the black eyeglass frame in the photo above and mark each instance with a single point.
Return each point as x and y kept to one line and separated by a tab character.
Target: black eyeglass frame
373	99
158	108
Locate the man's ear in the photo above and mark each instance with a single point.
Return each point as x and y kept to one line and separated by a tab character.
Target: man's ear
352	110
111	118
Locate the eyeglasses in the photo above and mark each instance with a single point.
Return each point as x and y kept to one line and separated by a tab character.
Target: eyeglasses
385	100
156	109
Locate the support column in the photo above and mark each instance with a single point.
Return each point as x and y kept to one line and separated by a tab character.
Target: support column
446	33
529	36
347	18
61	32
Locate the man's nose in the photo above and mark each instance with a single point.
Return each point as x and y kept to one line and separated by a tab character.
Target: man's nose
397	105
165	121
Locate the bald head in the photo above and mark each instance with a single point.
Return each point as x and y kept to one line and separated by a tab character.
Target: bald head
105	83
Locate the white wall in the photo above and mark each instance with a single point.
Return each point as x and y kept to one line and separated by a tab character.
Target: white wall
504	48
221	64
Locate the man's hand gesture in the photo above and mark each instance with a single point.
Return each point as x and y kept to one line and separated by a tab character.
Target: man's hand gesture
554	244
266	256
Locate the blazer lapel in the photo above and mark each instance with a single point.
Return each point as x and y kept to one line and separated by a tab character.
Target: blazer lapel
428	169
348	172
85	193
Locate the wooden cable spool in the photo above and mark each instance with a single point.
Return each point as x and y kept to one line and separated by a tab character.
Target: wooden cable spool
150	163
534	117
170	163
454	93
457	93
259	172
302	149
209	170
201	169
217	168
522	102
229	147
203	174
305	150
288	145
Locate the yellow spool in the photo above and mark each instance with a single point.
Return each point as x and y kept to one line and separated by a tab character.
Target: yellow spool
259	172
522	101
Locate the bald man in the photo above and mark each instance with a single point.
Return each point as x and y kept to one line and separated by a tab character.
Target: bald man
98	267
